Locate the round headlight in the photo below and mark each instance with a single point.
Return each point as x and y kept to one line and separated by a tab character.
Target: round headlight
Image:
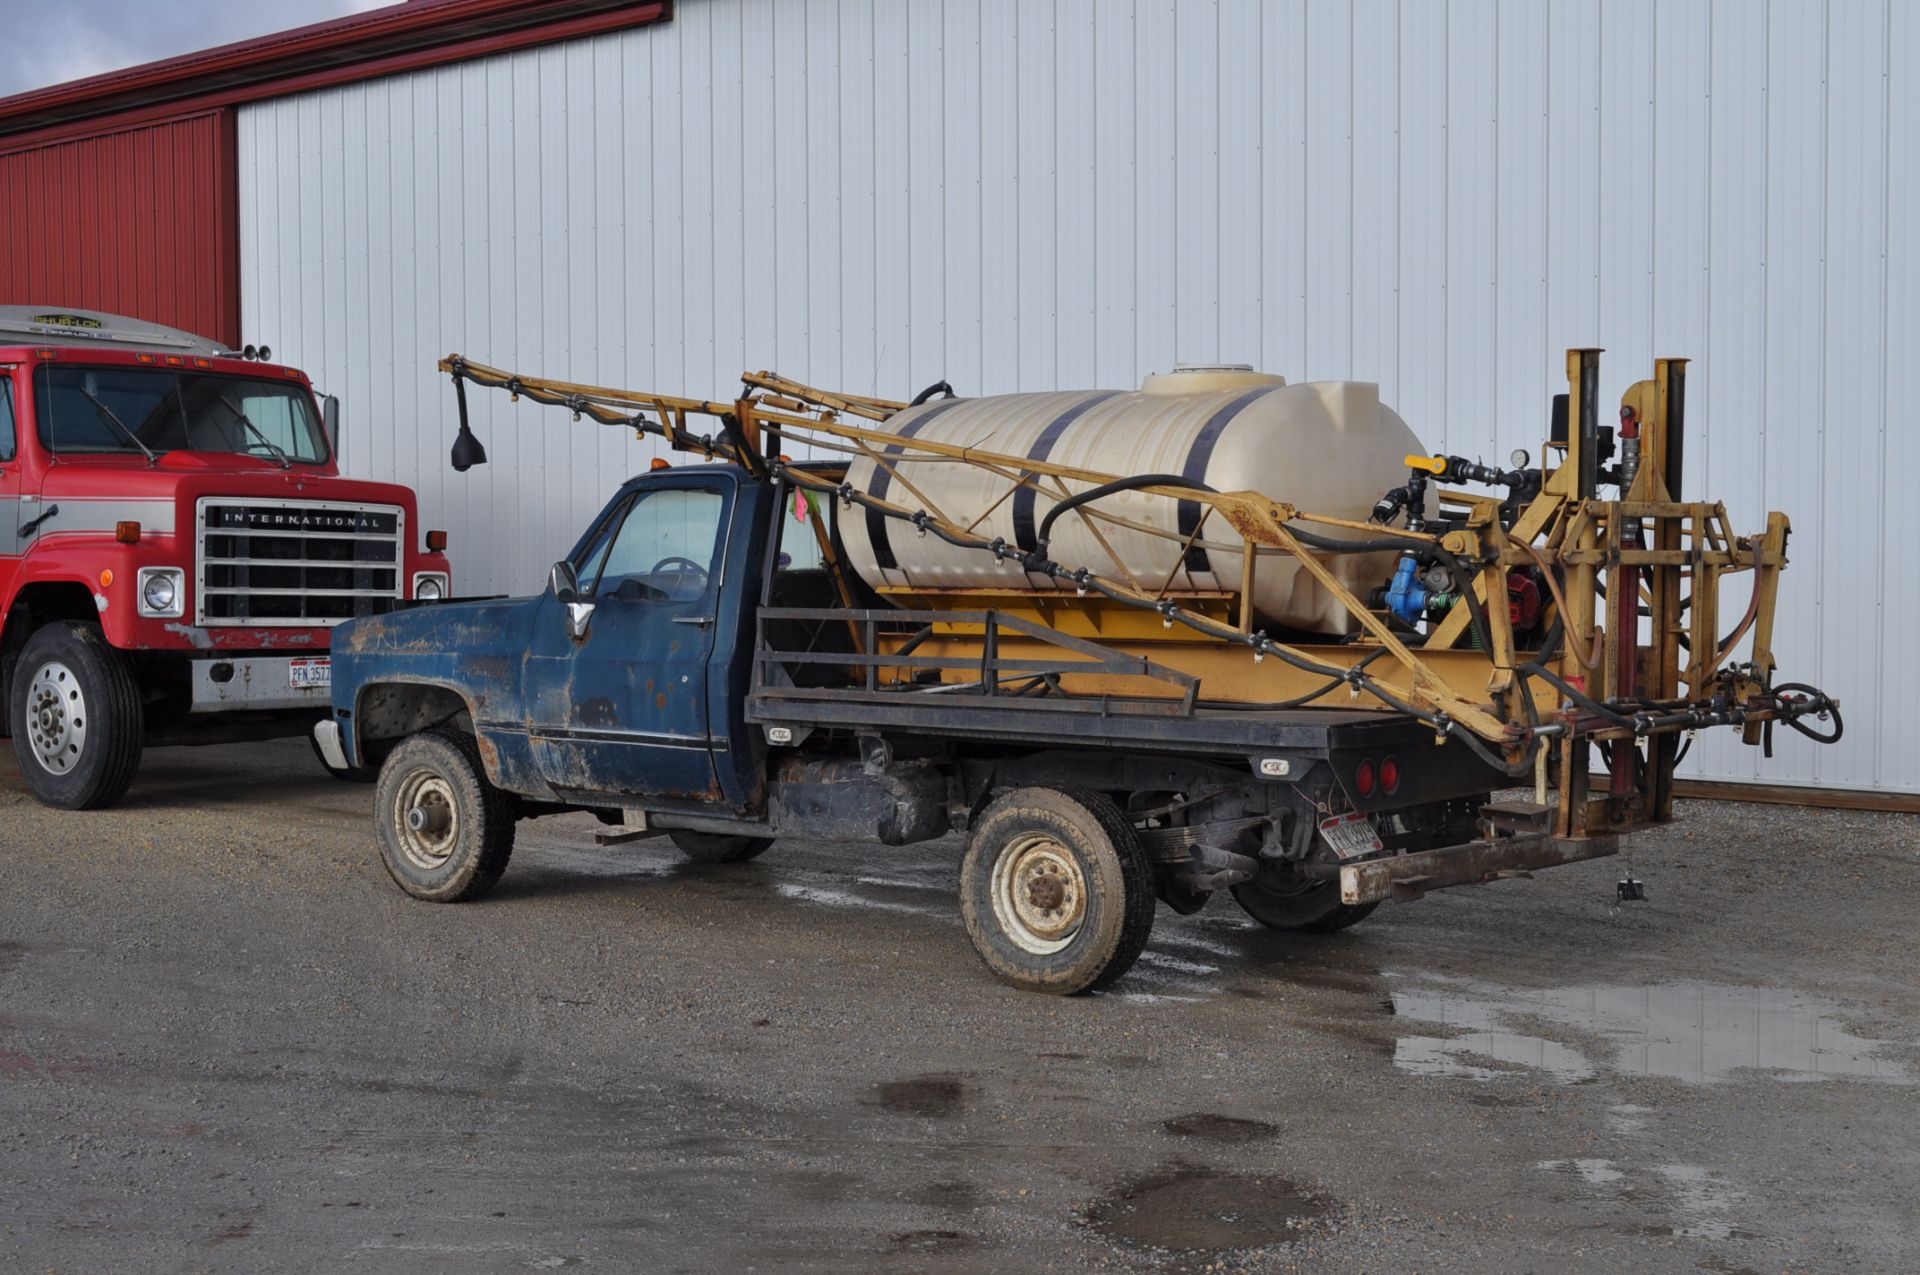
429	589
159	592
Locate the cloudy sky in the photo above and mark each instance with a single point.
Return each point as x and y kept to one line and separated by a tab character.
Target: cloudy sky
52	41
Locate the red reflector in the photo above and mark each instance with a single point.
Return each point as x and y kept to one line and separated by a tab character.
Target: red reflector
1363	779
436	541
1390	775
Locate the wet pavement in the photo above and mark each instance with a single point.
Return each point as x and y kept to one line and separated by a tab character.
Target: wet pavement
228	1043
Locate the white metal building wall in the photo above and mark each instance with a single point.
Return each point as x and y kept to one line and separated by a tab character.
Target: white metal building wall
875	194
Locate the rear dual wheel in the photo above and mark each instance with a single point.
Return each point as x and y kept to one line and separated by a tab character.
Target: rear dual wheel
1056	893
1315	908
718	847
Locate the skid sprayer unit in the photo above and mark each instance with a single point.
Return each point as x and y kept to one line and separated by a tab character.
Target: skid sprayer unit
1537	626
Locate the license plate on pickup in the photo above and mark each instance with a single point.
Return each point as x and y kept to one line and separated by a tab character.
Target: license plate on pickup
1350	835
305	673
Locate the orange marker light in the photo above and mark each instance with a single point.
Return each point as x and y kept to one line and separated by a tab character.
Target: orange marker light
659	463
436	541
106	579
127	533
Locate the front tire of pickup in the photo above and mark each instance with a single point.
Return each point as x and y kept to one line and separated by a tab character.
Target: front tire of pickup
76	718
1056	893
445	832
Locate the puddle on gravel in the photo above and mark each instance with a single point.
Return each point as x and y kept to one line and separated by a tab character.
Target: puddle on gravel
933	1096
1189	1208
1215	1128
1698	1202
1696	1032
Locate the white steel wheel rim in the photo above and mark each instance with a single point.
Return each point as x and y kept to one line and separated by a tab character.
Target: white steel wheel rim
426	820
1039	894
56	718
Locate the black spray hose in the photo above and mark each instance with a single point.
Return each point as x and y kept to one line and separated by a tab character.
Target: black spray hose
1820	703
1536	669
1108	489
938	387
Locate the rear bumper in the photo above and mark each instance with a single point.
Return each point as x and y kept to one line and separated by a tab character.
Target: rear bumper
251	683
1408	876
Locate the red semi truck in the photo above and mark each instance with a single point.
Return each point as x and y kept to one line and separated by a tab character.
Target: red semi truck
176	545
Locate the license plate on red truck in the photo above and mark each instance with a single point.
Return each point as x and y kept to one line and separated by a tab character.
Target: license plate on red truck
315	671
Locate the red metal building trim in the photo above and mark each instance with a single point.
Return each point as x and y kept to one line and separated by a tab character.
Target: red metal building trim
141	221
226	228
387	41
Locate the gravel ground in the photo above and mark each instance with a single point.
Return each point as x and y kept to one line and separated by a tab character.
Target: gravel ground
228	1043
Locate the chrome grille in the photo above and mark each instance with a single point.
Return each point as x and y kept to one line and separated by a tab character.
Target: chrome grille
296	562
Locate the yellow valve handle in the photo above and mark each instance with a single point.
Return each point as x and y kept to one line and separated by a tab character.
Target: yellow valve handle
1432	464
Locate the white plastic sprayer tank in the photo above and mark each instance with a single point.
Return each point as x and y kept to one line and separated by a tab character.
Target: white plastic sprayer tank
1329	447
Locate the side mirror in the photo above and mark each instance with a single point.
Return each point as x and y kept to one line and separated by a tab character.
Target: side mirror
564	582
330	421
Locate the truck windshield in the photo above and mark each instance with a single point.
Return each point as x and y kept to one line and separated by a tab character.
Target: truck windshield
140	410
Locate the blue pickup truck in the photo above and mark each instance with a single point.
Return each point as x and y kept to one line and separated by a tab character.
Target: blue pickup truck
697	669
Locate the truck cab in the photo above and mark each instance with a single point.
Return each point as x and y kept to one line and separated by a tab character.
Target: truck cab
176	547
624	682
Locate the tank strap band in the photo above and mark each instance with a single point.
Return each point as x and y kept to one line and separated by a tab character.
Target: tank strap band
1023	528
1199	456
883	478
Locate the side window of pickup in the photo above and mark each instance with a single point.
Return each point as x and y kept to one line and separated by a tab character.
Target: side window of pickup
667	548
8	434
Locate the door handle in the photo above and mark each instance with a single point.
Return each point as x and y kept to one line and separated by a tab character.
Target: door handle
702	620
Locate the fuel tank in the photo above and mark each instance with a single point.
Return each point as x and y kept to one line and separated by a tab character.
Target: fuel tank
1330	447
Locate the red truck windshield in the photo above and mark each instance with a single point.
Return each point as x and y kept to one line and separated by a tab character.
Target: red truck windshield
153	410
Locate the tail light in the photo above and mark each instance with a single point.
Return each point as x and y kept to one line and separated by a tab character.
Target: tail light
1390	775
1363	779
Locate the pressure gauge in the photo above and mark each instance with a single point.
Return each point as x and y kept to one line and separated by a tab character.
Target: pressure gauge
1519	459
